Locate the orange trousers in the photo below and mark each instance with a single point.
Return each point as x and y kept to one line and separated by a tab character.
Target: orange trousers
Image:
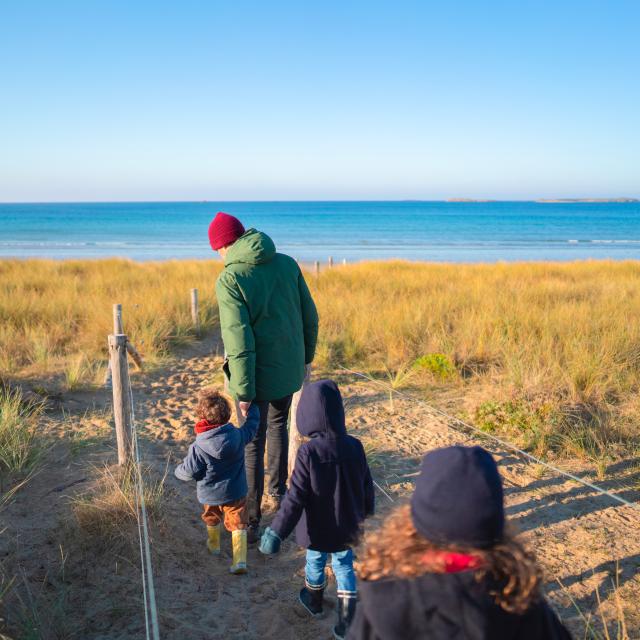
233	514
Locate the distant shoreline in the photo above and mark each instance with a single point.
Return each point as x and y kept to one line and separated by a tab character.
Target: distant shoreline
586	200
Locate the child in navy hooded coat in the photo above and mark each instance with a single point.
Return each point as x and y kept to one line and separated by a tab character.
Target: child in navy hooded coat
448	567
330	494
216	461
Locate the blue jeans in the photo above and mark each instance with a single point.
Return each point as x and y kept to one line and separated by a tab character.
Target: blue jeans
341	563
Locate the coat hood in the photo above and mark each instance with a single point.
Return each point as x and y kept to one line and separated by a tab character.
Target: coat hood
320	411
216	442
252	247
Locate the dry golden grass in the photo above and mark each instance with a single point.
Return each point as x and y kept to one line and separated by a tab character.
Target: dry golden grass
55	316
109	509
552	346
543	349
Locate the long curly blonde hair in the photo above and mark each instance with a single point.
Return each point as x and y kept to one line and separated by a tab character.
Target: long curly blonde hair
397	550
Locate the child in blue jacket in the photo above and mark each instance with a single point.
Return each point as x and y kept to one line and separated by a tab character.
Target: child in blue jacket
216	461
330	494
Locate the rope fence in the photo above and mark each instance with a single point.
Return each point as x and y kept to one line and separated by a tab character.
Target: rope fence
129	455
148	588
497	440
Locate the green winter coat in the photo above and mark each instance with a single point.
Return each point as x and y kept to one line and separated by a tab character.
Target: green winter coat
268	318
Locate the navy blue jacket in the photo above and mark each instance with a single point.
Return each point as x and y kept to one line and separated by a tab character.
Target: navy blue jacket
452	606
331	489
216	461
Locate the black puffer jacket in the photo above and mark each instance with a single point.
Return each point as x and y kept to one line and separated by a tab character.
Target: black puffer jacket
445	607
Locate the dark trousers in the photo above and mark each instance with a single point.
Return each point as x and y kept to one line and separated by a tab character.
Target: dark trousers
272	432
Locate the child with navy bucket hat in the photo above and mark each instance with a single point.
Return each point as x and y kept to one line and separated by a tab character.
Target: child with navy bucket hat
448	565
330	494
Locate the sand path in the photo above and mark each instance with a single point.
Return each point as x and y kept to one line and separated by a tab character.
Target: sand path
581	538
578	534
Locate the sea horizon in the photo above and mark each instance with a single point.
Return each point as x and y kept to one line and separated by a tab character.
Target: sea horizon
455	230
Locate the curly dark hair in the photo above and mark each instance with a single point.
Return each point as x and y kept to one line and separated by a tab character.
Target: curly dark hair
213	406
398	550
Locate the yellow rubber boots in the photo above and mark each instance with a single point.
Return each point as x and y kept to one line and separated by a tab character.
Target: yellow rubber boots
239	542
213	539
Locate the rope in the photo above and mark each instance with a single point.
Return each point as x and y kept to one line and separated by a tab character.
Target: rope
383	491
152	627
500	441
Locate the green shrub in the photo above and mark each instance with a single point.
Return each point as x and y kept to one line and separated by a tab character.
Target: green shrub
438	364
531	425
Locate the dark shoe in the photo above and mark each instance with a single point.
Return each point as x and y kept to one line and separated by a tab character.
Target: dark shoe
254	533
346	611
311	600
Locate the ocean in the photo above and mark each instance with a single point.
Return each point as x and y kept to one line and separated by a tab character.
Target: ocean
308	231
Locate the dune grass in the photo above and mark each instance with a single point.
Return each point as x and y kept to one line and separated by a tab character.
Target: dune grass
552	347
547	352
20	444
110	508
55	316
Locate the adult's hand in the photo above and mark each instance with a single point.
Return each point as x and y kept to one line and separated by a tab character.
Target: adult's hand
244	407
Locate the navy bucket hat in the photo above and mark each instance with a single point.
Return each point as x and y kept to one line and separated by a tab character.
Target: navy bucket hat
458	499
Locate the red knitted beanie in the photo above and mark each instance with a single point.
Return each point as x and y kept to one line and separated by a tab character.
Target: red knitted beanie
224	230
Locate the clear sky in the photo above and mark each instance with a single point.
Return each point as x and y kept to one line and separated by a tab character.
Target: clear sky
339	99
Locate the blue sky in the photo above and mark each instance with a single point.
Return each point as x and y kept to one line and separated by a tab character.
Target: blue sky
327	100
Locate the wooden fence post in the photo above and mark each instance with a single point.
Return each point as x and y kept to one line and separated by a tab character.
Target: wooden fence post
194	310
344	262
295	439
122	410
317	268
330	261
117	319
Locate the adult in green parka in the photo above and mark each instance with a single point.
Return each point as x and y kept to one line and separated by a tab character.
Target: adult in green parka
269	328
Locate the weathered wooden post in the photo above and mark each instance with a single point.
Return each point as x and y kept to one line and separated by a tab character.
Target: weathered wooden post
317	268
330	262
295	439
122	409
344	262
194	311
117	319
131	350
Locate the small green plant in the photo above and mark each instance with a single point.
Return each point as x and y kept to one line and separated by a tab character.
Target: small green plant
20	443
437	364
397	380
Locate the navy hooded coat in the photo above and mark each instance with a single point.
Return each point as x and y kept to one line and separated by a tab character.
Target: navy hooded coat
331	489
452	606
216	461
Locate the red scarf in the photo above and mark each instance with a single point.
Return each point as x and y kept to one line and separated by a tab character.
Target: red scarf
452	562
205	425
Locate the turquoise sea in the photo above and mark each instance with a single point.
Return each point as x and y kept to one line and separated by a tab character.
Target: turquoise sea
434	231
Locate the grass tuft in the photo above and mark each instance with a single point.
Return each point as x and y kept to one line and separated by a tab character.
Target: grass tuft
110	508
20	443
